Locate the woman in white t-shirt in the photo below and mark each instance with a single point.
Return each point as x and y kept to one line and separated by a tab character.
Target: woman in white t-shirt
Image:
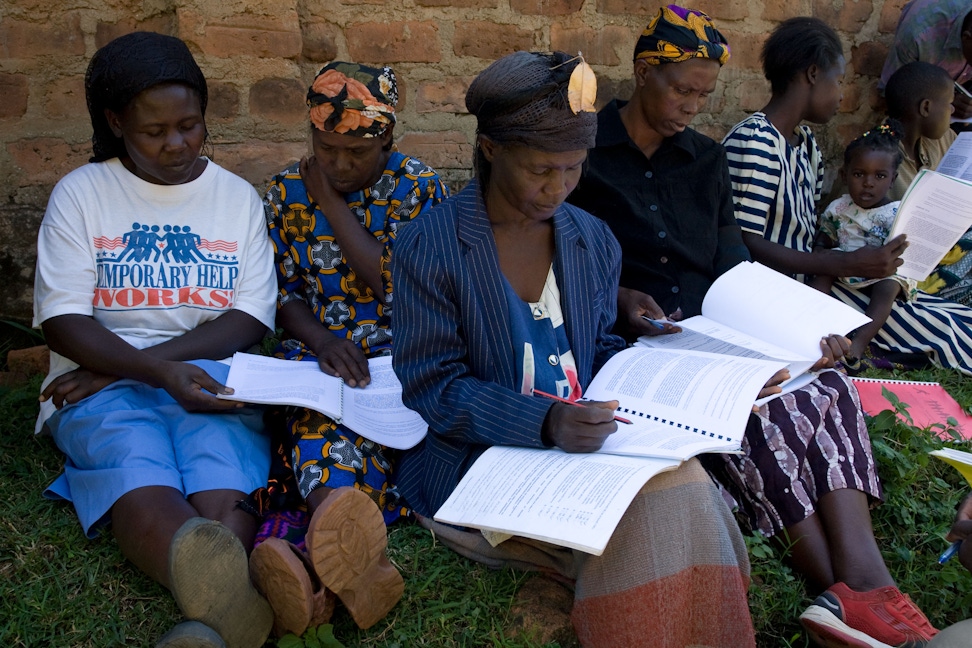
153	265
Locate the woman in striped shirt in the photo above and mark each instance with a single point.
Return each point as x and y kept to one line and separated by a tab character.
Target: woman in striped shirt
776	170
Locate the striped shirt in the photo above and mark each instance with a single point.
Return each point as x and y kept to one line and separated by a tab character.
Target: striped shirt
775	186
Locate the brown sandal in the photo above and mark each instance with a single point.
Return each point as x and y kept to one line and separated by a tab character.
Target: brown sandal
286	577
346	542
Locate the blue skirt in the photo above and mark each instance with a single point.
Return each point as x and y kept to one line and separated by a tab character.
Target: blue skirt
130	435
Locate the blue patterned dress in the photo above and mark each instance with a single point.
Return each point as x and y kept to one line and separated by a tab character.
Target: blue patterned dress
311	267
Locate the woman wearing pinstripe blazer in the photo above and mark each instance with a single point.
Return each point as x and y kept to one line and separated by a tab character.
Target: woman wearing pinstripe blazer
504	288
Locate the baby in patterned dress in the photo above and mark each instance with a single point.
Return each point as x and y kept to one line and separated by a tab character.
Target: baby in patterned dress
864	216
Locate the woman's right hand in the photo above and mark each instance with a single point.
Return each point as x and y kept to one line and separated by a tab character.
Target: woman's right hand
876	262
193	388
962	530
635	306
342	358
580	429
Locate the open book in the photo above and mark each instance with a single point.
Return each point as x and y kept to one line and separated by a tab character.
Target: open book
957	161
681	403
376	412
755	312
935	211
961	461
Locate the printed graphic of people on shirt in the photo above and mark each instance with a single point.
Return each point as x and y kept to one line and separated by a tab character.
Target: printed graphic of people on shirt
164	267
183	245
140	243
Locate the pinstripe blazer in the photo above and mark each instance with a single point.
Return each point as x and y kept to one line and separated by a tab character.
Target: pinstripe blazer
453	344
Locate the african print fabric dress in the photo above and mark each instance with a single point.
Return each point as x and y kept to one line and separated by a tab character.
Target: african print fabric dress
311	267
775	188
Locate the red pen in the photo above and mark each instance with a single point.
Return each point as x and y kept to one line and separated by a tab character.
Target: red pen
537	392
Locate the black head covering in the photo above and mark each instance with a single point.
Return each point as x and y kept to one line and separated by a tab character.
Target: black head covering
126	66
522	98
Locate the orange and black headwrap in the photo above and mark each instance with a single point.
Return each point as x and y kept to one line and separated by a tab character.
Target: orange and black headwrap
677	34
353	99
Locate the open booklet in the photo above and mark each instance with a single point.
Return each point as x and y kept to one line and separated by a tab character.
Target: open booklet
376	412
681	403
755	312
957	161
935	211
961	461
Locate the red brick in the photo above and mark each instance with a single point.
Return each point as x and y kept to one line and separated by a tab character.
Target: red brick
628	8
875	100
395	42
609	88
852	98
25	40
846	133
224	101
258	161
714	131
447	95
843	15
868	58
244	34
14	91
320	41
600	47
890	13
32	361
64	97
744	49
474	4
45	160
546	7
752	94
716	102
723	9
780	10
162	24
444	150
490	40
279	100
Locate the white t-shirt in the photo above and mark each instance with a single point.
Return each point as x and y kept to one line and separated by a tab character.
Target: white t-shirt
151	262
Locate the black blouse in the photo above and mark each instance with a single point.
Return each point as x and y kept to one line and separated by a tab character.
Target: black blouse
672	213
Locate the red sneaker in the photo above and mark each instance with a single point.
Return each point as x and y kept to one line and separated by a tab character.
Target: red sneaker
881	618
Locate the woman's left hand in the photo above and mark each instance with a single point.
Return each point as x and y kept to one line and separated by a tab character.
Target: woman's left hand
962	530
74	386
833	348
772	385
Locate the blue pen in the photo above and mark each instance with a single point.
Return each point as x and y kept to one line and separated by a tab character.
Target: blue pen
656	323
949	553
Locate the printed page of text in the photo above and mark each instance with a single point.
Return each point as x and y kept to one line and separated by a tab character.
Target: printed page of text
376	412
260	379
571	500
934	213
701	391
778	309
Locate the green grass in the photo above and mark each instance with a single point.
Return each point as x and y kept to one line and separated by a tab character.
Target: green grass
59	589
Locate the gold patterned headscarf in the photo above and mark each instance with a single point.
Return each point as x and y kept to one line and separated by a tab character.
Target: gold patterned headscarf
353	99
677	34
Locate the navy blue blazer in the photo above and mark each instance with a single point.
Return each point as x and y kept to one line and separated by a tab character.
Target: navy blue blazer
453	349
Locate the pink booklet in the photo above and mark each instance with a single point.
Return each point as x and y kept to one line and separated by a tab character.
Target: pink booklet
928	402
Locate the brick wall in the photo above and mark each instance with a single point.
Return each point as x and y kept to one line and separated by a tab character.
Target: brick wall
259	56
